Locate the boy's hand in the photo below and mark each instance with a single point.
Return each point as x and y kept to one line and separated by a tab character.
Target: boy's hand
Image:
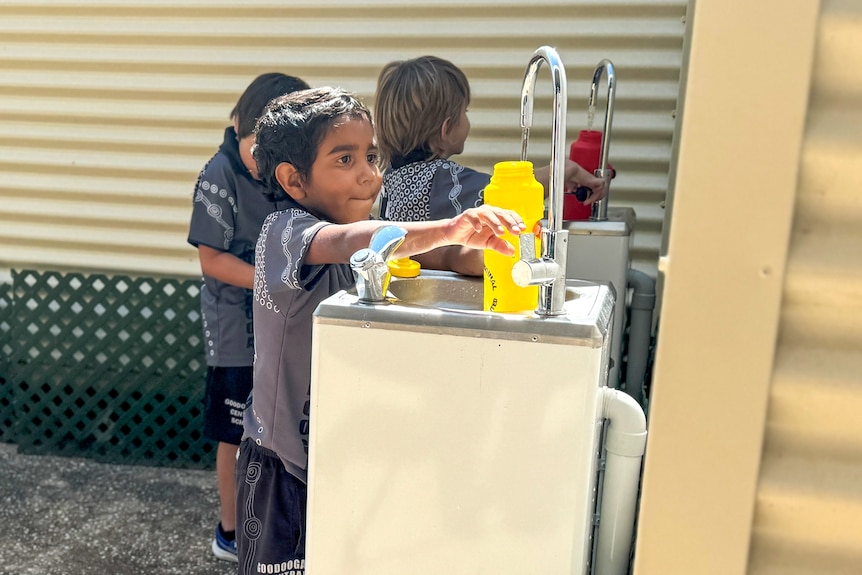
482	227
576	176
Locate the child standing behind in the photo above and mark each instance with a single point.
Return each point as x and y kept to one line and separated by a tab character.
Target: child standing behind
315	150
228	210
420	117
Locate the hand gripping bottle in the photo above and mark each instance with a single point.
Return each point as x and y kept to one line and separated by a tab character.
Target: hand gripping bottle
513	186
586	152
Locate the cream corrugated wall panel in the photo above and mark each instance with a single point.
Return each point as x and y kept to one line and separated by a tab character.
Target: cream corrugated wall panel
109	109
808	517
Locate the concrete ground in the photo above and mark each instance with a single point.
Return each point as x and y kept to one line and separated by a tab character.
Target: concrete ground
70	516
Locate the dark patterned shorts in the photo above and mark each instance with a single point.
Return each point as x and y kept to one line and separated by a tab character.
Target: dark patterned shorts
226	394
270	514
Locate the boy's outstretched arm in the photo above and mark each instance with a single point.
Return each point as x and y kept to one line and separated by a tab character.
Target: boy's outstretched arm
575	176
466	261
225	267
478	228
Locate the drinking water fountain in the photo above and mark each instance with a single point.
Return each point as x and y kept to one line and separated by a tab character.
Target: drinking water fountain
444	437
599	249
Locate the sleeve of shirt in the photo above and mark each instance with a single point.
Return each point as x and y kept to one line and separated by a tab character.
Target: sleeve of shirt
282	249
214	209
456	188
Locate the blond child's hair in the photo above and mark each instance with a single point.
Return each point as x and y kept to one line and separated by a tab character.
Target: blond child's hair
414	98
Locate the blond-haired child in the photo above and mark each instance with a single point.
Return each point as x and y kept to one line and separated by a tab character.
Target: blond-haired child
420	117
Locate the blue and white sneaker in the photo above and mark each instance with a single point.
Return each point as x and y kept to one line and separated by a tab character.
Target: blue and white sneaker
222	548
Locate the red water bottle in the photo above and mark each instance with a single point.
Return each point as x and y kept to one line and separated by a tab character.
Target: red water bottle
586	152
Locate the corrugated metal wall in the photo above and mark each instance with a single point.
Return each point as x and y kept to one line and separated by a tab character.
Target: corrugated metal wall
108	109
808	516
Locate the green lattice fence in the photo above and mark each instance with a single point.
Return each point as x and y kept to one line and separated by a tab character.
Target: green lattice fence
6	411
106	367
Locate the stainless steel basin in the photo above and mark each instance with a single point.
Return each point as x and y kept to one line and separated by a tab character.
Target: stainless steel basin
441	290
448	303
446	290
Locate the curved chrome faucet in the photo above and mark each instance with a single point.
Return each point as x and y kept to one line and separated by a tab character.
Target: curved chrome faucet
600	208
370	265
549	272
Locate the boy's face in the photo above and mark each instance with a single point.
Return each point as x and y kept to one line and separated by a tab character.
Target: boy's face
245	145
344	179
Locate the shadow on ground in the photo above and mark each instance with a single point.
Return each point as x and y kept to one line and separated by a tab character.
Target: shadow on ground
70	516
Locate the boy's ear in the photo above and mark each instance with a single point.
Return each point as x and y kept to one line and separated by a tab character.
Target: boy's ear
290	180
444	131
438	144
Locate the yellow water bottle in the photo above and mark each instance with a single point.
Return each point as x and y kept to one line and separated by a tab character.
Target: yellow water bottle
513	186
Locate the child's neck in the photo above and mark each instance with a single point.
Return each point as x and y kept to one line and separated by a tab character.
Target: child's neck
417	155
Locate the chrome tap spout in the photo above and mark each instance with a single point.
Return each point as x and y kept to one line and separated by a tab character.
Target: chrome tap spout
370	265
548	55
600	208
549	272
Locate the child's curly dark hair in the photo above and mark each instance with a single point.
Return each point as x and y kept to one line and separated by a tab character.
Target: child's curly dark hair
292	127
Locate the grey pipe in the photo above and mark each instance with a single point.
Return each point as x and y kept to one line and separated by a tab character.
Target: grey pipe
640	331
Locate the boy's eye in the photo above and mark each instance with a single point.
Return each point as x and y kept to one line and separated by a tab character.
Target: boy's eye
372	158
344	160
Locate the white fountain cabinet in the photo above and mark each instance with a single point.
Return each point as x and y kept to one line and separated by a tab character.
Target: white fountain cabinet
455	443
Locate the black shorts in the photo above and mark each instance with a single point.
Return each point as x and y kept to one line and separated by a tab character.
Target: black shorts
226	394
270	514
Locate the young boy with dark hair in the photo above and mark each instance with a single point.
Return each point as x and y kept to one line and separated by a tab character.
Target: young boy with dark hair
315	151
227	213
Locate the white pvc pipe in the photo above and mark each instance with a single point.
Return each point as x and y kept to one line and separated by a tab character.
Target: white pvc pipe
625	443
